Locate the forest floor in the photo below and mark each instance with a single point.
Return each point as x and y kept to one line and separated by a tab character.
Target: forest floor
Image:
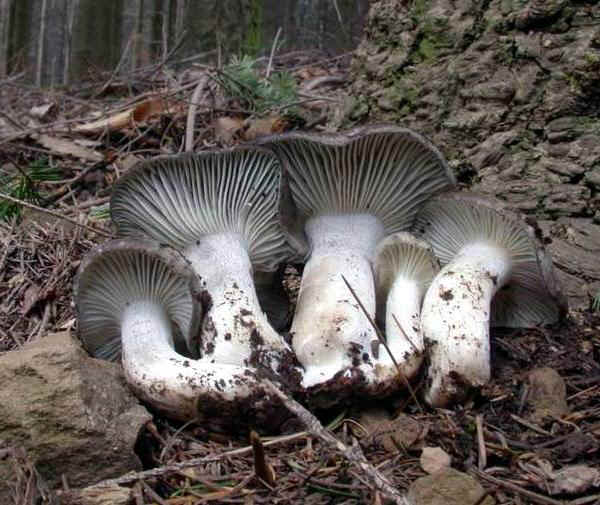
60	152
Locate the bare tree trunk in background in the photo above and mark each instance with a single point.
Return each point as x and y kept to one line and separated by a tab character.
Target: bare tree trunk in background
129	33
5	7
179	18
41	43
71	7
165	13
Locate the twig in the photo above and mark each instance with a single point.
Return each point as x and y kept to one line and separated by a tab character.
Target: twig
538	498
172	438
384	343
352	454
585	499
152	494
12	78
137	493
562	438
273	49
318	97
55	214
415	348
175	467
482	460
189	127
262	467
117	68
481	499
529	425
323	79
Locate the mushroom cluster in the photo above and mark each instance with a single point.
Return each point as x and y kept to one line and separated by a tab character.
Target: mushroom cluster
188	299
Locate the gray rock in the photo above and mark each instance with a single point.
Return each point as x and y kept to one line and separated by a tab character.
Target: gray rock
449	487
547	396
72	414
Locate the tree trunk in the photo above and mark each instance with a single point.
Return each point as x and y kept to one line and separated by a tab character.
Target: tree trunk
41	43
5	18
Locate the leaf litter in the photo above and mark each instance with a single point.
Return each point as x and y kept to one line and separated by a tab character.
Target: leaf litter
60	152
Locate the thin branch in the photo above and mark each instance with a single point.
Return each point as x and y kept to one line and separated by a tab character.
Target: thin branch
273	49
482	460
353	454
189	127
55	214
117	68
415	348
384	343
536	497
175	467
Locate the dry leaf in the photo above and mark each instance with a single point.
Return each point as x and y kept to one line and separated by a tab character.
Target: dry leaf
265	126
139	113
41	111
392	434
68	324
434	459
68	147
126	162
16	279
574	479
226	128
30	298
310	72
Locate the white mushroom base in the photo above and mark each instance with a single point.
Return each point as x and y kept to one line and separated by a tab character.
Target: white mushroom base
165	379
455	320
234	326
330	331
403	327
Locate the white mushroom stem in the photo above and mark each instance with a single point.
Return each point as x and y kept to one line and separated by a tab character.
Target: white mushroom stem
328	321
455	319
235	324
403	308
164	378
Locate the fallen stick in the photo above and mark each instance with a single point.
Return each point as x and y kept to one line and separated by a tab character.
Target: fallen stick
352	454
55	214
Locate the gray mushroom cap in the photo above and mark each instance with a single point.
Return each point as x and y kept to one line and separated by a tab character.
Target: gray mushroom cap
121	272
179	199
403	254
383	170
349	190
533	294
220	210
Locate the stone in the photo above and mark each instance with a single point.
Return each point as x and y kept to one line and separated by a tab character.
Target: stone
73	415
399	433
547	397
434	460
100	495
449	487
